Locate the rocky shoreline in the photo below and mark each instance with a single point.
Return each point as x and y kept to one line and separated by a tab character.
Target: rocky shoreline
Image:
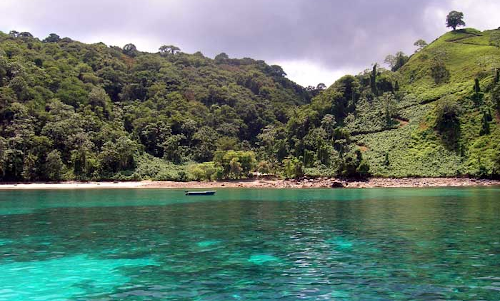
332	183
267	183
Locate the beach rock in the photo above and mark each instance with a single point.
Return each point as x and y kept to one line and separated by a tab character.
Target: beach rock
336	184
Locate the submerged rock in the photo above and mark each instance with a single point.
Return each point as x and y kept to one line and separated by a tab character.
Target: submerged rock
260	259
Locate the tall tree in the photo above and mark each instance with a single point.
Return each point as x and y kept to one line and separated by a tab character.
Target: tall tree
478	95
396	61
373	80
13	33
130	50
52	38
53	166
485	125
420	44
321	86
25	34
277	71
455	19
169	49
221	58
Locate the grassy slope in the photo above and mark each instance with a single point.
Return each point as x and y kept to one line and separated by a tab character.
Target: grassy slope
415	149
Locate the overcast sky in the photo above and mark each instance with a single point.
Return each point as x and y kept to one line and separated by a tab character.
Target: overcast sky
314	40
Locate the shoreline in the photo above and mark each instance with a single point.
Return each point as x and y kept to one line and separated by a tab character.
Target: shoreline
263	183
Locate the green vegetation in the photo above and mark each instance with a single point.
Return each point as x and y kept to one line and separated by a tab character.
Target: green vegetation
91	112
74	111
397	61
420	44
449	127
455	19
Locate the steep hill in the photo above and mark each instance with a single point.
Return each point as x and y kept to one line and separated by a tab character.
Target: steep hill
439	124
69	110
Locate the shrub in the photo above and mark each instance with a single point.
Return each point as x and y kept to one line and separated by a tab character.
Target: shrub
354	166
235	164
293	168
446	113
153	168
440	73
203	172
264	167
447	122
54	166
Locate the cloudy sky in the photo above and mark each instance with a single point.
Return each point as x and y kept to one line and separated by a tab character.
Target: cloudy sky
314	40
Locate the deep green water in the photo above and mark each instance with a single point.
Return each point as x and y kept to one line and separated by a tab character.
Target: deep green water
358	244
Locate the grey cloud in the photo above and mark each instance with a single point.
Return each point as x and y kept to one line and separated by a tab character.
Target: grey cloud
336	34
333	33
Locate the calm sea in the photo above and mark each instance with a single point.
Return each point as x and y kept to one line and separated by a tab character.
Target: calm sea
250	244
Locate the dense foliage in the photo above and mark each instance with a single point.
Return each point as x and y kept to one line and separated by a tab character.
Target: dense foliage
75	111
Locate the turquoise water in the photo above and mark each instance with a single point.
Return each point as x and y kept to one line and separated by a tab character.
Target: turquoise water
351	244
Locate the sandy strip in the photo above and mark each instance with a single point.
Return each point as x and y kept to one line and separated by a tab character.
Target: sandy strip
263	183
73	185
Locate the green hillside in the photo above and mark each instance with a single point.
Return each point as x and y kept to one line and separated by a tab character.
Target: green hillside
426	119
69	110
98	112
466	141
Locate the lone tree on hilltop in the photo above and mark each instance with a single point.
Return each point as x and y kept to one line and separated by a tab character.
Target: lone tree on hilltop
455	19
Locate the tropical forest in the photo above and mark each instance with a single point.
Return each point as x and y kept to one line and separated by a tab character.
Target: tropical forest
75	111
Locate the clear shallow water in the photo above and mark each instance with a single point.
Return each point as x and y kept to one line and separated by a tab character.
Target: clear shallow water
375	244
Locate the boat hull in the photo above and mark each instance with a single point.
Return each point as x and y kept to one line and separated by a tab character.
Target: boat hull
200	192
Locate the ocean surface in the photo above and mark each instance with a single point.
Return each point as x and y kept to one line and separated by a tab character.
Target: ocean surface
250	244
